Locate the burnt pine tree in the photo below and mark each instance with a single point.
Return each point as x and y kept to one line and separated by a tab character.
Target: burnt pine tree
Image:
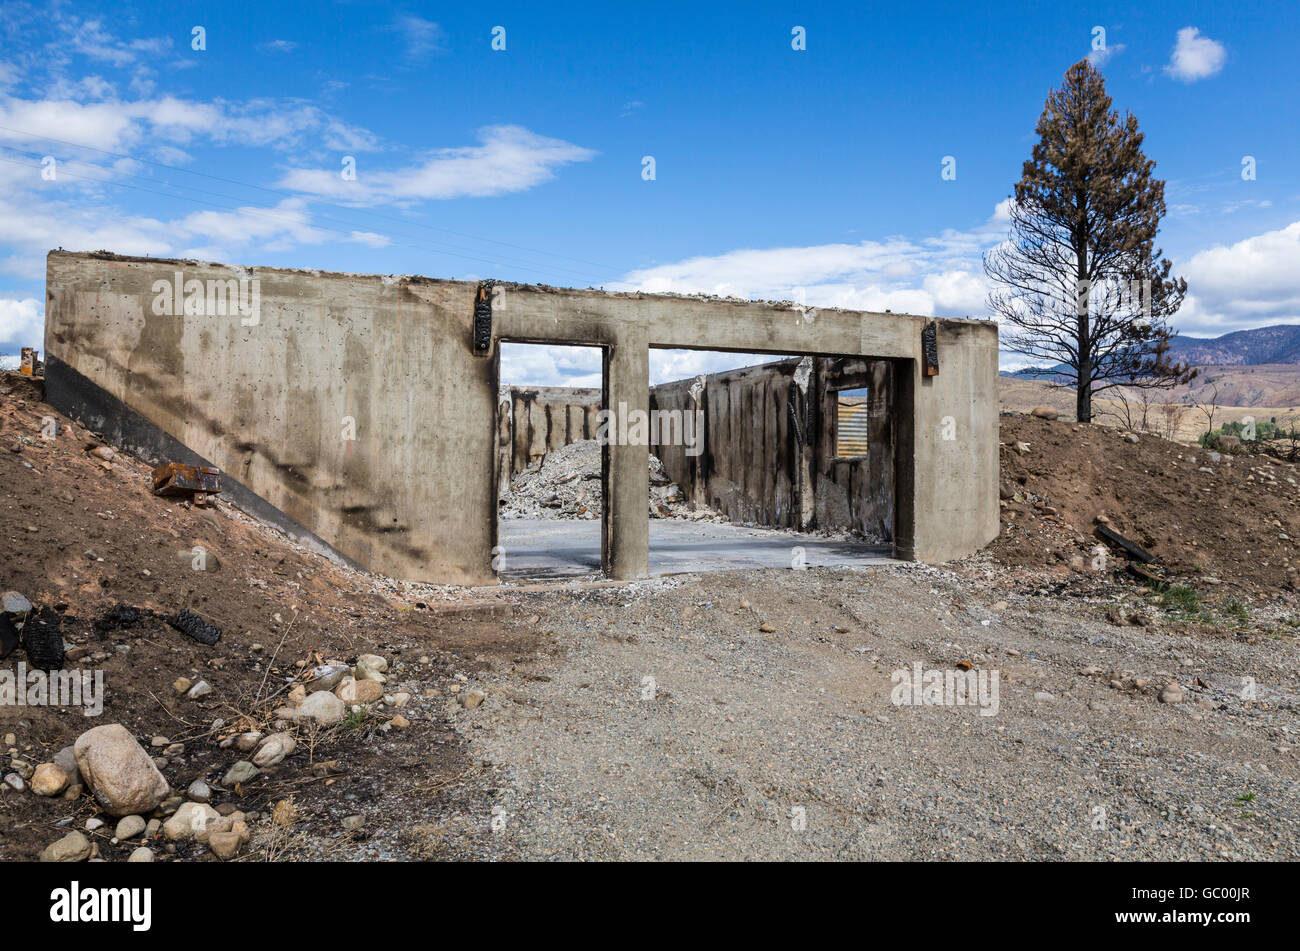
1079	280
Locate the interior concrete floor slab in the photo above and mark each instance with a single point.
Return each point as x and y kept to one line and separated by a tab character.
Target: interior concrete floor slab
550	548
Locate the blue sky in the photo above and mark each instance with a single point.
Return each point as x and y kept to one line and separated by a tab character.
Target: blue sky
808	174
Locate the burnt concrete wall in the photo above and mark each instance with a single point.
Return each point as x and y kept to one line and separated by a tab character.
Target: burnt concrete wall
770	439
748	469
855	491
411	492
270	402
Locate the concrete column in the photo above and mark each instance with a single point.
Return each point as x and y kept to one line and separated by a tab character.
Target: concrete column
625	465
903	408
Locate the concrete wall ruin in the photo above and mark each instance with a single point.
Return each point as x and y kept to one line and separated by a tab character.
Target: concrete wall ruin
362	409
770	453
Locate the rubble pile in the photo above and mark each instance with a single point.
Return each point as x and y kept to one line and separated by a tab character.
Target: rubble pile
565	483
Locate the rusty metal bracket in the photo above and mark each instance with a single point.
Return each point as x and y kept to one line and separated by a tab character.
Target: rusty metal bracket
179	479
930	348
483	317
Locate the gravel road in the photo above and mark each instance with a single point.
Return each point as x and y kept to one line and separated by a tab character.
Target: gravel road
767	729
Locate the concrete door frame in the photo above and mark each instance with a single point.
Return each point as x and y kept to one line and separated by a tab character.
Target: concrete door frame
607	539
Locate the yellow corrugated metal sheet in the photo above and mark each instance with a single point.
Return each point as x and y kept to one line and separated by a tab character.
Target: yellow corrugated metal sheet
852	430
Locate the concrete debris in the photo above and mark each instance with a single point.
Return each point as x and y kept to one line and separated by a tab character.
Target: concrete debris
565	483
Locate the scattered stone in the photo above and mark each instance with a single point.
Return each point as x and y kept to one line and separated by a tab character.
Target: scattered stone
247	741
1044	695
274	749
371	667
120	774
1171	694
15	606
200	689
472	698
199	791
141	854
128	827
241	772
1044	412
326	677
767	627
353	823
49	780
322	707
399	722
401	699
225	845
359	691
15	782
73	847
191	821
93	823
182	684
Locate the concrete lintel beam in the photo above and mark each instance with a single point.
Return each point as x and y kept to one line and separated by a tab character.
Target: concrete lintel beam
552	315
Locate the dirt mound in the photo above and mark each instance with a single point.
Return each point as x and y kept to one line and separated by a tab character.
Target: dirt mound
1208	518
112	569
565	483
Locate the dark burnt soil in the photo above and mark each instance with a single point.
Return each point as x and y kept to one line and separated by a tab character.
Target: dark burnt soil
82	536
1222	529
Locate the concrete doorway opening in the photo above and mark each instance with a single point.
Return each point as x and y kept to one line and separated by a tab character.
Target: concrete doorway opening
548	463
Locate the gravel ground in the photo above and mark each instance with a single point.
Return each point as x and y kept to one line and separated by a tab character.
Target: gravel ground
751	731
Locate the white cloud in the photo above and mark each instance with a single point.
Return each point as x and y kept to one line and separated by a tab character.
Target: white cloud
537	365
115	125
510	159
22	324
1195	56
1101	57
1252	283
940	275
421	37
89	38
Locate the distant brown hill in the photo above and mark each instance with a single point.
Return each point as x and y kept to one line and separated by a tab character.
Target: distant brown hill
1279	343
1264	385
